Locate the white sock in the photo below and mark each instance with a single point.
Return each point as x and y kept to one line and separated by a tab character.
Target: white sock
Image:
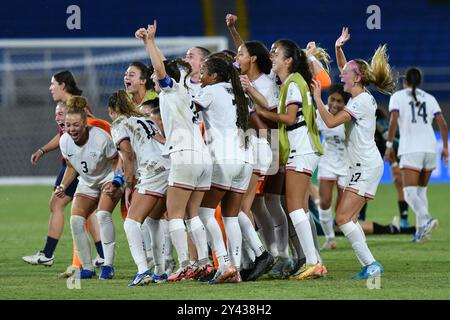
326	221
422	193
249	233
168	247
273	203
178	236
208	219
197	233
414	201
135	239
157	238
356	238
303	229
234	237
147	239
107	235
265	223
77	226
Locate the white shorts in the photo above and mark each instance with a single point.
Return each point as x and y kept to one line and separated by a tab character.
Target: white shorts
262	156
306	163
190	170
155	186
327	173
92	192
364	182
418	161
232	176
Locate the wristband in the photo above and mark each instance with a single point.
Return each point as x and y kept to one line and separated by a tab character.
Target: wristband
118	179
389	144
41	150
62	187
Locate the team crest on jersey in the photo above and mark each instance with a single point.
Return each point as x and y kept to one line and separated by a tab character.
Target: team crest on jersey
93	155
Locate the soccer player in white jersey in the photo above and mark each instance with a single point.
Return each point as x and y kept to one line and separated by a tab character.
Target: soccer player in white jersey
366	165
332	164
225	112
414	110
138	140
190	171
89	151
195	56
290	62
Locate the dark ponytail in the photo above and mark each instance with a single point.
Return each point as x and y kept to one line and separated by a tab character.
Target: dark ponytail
299	60
414	79
68	79
227	72
256	48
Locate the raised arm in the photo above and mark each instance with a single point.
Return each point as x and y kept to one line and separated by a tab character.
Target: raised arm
330	120
153	51
231	24
340	56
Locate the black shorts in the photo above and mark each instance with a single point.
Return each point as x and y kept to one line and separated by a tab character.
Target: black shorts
70	190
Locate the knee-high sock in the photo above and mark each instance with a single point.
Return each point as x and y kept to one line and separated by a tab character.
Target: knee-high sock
357	240
303	229
168	247
107	235
147	239
422	193
217	243
249	233
265	223
280	223
133	232
418	206
326	221
158	242
81	241
197	232
178	236
234	237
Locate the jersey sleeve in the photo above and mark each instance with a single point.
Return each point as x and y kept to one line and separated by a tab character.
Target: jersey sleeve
167	84
270	93
435	108
355	109
204	97
393	104
119	132
293	95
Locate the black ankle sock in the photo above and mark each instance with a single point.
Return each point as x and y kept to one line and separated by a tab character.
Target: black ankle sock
409	230
388	229
98	246
50	246
403	209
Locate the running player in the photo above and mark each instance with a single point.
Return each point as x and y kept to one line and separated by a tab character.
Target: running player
413	110
90	152
366	165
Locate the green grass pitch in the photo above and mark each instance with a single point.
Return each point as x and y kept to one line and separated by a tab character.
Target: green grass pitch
412	271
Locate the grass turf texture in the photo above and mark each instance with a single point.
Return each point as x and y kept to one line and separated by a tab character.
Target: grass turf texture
412	271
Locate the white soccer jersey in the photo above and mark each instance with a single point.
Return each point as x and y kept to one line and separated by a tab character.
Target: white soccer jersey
219	114
269	89
415	122
92	160
360	132
334	156
179	120
299	140
139	131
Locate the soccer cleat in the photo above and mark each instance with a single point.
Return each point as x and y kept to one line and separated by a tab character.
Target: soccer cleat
236	279
39	258
85	274
431	225
70	271
311	272
281	268
181	273
374	269
159	278
298	263
170	265
245	273
221	276
330	244
107	273
203	271
261	265
361	274
98	261
141	279
207	277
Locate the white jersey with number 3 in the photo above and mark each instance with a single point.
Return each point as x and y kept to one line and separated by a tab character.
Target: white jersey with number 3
92	160
415	120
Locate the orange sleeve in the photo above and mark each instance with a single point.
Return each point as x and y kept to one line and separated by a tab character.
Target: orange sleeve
99	123
324	78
